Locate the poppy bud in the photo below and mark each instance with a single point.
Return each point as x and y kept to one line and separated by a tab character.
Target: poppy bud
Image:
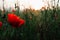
0	24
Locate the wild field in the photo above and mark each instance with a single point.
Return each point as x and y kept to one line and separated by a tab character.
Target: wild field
35	24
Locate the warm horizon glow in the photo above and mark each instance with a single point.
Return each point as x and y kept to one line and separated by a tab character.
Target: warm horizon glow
34	4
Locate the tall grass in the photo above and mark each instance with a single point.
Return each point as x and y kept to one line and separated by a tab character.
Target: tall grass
39	25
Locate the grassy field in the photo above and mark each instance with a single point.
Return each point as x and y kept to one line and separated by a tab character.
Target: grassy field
39	25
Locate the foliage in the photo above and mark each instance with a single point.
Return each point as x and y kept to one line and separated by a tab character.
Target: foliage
39	25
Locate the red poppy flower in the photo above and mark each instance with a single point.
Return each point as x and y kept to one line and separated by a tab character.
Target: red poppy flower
21	22
0	24
14	20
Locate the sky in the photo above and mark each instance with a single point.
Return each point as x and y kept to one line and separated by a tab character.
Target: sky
35	4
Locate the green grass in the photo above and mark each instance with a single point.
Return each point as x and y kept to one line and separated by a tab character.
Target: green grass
39	25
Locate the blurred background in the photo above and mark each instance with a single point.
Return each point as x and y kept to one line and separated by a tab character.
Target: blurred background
29	19
34	4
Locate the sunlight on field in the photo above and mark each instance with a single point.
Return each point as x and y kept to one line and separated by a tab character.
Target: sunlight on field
34	4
